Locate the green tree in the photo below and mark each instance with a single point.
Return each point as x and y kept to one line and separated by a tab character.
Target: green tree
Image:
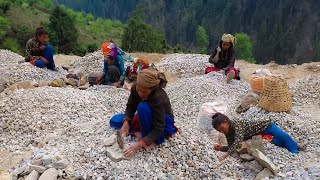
244	47
5	6
4	26
202	39
139	36
63	32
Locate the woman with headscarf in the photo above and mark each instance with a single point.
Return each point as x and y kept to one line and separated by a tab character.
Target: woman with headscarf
113	67
154	121
223	58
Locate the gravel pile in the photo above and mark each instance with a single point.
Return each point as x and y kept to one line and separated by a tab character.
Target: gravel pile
75	124
184	65
91	63
14	72
8	58
306	91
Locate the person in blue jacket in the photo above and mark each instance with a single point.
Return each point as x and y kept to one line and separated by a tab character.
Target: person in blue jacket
113	68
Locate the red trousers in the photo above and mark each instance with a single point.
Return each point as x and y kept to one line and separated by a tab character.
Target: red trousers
214	69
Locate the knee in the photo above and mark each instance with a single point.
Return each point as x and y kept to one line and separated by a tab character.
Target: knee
49	48
40	64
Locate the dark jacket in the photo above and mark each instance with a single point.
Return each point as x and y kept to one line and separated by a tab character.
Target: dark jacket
226	58
160	105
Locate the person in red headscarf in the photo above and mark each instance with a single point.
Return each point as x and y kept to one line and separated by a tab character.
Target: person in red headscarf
113	70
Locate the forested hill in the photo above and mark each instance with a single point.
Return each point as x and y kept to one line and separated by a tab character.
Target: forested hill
286	31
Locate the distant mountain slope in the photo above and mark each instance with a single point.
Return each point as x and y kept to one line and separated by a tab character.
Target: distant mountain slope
285	31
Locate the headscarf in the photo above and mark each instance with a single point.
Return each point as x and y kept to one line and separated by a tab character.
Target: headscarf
109	49
229	38
150	78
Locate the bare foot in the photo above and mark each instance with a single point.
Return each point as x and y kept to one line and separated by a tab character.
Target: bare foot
302	146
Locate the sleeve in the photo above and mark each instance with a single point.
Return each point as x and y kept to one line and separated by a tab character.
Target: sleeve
121	67
239	137
158	115
31	48
212	56
105	68
231	61
132	105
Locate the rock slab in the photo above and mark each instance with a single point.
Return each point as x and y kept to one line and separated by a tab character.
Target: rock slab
50	174
34	175
264	161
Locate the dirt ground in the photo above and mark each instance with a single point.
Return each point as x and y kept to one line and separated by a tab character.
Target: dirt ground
290	72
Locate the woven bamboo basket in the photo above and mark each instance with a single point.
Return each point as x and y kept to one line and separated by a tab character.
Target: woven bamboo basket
257	84
275	96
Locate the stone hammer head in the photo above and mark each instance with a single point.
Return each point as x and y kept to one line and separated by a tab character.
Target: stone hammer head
120	140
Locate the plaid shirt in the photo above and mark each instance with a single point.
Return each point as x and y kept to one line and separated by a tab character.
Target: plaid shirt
32	49
242	130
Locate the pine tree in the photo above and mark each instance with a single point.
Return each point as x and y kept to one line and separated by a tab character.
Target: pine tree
63	33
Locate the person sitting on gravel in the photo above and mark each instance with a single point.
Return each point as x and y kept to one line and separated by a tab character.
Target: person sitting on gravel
238	131
39	52
223	58
113	68
154	121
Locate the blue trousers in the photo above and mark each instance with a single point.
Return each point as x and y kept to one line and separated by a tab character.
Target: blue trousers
281	138
48	54
145	122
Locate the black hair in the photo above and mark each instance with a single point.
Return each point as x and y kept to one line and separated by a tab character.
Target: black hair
41	31
218	119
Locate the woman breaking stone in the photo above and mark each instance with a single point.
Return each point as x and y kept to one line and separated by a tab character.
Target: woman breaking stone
154	121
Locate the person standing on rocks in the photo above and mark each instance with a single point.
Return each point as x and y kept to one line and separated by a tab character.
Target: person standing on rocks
223	58
38	52
238	131
113	68
154	121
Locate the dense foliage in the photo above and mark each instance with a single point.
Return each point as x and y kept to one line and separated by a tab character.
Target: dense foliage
140	37
20	18
285	31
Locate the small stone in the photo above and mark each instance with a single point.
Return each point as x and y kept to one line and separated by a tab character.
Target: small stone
42	83
243	149
34	175
46	160
50	174
26	85
57	83
111	140
83	80
37	162
190	163
39	169
115	153
61	164
71	81
263	174
84	87
246	157
18	171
